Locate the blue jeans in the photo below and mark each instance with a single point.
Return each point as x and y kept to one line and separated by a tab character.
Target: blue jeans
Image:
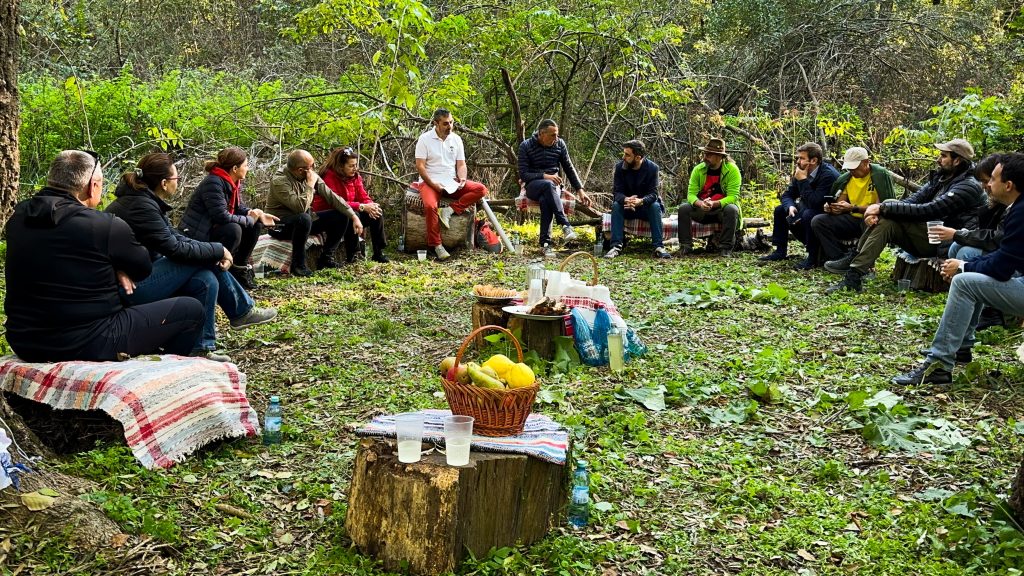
965	253
210	287
968	292
650	213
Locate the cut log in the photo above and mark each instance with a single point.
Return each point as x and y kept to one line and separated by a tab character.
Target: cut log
486	314
923	275
537	335
414	226
426	516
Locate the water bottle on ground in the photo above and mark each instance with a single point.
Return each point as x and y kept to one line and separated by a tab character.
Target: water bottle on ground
401	243
615	351
579	506
272	422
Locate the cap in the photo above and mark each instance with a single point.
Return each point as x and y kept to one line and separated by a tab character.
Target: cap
854	156
958	146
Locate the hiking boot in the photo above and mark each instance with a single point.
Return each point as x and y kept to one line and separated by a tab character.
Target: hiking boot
445	216
853	280
927	372
325	262
253	317
684	250
380	258
773	257
615	251
841	265
441	253
725	253
547	250
301	272
568	233
963	355
245	276
805	264
210	355
661	253
990	317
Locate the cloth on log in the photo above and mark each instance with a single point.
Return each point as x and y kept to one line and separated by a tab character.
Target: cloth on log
524	204
169	406
670	227
462	231
277	254
542	437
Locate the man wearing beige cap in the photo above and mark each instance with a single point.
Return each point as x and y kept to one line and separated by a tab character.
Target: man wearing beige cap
863	184
952	195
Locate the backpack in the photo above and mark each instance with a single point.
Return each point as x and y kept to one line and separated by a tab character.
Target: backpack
487	238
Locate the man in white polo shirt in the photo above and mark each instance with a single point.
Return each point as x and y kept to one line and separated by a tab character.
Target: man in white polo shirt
441	162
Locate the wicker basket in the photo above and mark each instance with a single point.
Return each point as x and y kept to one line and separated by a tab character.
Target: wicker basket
495	412
593	281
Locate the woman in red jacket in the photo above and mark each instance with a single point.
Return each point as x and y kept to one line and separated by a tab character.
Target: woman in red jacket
341	174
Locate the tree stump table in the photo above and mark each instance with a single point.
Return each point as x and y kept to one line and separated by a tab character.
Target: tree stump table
923	274
488	314
538	335
424	517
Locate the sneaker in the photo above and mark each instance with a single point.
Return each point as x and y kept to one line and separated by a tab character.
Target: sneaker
841	265
254	317
301	272
927	372
684	250
445	216
568	233
615	251
380	258
547	250
325	262
773	257
441	253
852	281
963	355
245	276
805	264
210	355
661	253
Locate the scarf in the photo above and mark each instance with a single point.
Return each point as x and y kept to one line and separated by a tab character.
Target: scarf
218	171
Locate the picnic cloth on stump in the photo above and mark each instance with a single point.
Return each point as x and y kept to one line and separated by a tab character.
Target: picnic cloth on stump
542	437
277	254
169	405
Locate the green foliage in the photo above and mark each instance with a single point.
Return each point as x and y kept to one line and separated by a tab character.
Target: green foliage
714	292
887	423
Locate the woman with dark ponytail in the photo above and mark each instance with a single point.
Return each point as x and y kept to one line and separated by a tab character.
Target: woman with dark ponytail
217	212
182	266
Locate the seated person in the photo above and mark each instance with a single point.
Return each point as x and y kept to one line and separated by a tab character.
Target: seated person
712	196
182	266
803	200
862	185
291	198
541	158
216	212
65	265
341	174
991	280
635	185
441	163
952	195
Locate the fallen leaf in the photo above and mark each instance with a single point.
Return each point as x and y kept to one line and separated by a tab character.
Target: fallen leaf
118	540
286	539
35	501
852	527
806	555
49	492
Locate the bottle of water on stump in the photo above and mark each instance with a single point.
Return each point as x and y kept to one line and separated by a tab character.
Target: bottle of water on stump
579	507
401	243
272	422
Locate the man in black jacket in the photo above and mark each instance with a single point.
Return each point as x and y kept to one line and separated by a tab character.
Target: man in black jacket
635	185
65	262
986	281
952	195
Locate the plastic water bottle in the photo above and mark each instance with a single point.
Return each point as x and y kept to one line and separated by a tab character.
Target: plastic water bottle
579	506
602	324
272	422
615	352
401	243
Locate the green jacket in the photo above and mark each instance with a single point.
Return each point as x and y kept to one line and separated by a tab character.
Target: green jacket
730	179
879	178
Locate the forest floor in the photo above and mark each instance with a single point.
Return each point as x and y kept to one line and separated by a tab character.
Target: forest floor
782	446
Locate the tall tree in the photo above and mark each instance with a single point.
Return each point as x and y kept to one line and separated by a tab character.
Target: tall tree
9	159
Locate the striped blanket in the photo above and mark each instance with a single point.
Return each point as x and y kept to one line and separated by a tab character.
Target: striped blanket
524	204
277	254
169	405
542	437
670	226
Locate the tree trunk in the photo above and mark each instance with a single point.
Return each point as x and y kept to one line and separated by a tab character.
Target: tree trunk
1017	495
9	120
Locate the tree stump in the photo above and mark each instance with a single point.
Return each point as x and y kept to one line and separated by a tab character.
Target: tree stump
426	516
538	335
1016	501
414	226
923	274
486	314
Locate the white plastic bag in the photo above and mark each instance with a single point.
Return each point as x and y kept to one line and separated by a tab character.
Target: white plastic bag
5	460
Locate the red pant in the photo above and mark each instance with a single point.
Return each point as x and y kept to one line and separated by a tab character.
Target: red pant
465	197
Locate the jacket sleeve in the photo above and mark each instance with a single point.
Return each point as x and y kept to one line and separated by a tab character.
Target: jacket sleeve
527	173
985	238
362	196
693	188
156	234
649	189
333	199
960	197
215	204
126	253
618	186
788	198
570	171
731	185
1009	258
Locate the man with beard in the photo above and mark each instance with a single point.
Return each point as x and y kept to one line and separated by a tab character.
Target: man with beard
635	185
952	195
713	195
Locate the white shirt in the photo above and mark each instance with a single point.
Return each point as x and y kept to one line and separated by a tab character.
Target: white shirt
441	156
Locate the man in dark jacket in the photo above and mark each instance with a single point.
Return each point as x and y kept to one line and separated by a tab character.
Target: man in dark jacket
804	199
952	195
65	262
541	158
635	187
986	281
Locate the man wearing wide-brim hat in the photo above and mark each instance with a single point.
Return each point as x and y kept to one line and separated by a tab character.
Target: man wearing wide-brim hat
952	196
712	196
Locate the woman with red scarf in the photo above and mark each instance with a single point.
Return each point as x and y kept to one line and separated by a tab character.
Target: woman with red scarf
341	174
217	212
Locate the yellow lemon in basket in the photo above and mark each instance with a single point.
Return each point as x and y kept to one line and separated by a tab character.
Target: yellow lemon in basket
520	376
500	364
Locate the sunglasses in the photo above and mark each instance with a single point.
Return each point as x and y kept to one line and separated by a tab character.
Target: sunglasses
95	164
347	151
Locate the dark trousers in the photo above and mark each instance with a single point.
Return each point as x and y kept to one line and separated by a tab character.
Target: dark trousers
801	230
652	214
376	228
238	240
832	230
728	215
299	227
549	196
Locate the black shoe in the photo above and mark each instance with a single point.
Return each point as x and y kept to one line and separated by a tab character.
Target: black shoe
841	265
925	373
684	250
853	280
773	257
380	258
805	264
302	271
963	355
325	262
245	276
990	317
725	253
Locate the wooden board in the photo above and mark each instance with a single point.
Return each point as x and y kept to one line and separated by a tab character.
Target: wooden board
426	516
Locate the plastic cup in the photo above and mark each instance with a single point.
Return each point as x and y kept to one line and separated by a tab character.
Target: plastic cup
598	248
932	237
409	433
519	249
536	293
458	434
903	285
421	255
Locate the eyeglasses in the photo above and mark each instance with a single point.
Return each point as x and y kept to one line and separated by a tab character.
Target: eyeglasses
95	164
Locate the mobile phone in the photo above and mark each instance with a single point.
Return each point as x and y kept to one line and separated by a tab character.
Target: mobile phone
830	199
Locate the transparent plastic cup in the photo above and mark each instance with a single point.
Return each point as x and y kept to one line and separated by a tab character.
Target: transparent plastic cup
409	433
458	434
932	237
421	255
